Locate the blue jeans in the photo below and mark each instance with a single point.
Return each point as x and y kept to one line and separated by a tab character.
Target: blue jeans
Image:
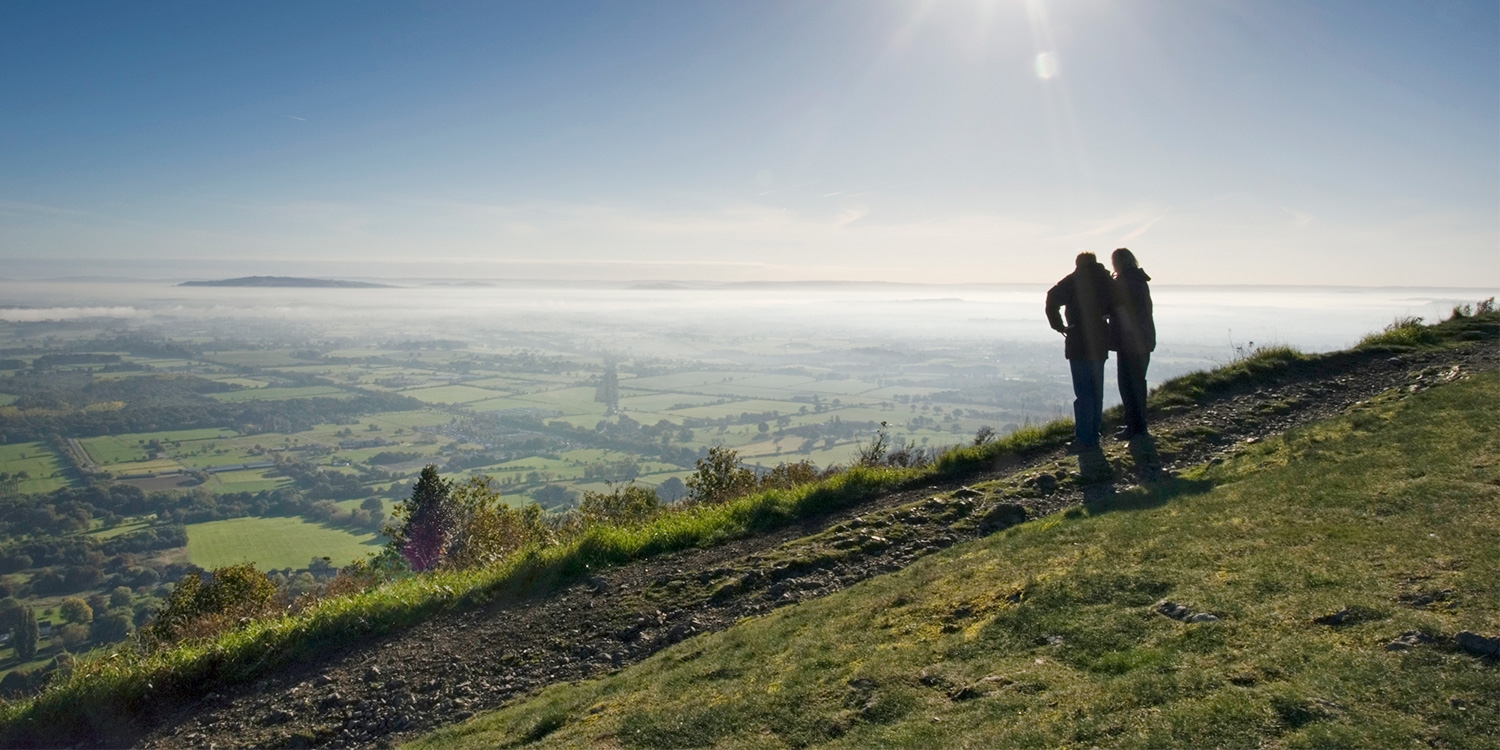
1132	377
1088	400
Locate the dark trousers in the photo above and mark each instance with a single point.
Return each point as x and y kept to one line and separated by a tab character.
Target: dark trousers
1088	400
1132	377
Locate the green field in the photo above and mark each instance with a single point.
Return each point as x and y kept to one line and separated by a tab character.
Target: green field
276	394
450	394
114	449
1048	635
648	401
248	480
39	463
736	408
273	543
275	358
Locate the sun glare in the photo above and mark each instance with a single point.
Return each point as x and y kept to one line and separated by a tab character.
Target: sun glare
1046	65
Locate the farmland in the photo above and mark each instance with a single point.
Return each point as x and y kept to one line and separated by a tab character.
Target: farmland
145	456
274	543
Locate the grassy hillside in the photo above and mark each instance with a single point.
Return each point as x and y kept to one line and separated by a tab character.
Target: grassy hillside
1049	635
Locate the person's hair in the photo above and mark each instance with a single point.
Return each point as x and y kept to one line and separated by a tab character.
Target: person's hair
1086	258
1123	258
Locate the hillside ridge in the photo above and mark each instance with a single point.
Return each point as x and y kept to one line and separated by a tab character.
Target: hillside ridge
386	688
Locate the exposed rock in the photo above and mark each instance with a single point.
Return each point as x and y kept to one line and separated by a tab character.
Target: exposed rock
1334	620
1424	598
1001	516
1477	644
1181	613
1173	610
1409	639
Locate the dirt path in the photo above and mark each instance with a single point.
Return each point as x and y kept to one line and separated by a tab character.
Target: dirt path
382	690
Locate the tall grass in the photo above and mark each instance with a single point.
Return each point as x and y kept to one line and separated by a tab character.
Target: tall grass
1403	333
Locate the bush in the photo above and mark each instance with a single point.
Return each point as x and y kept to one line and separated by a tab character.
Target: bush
880	452
626	505
1403	333
486	530
720	477
198	609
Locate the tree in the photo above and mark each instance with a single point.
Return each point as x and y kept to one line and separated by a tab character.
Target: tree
552	495
120	597
424	521
26	634
110	628
72	635
75	610
671	490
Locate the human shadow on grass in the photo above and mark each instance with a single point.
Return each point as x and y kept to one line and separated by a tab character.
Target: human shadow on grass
1103	498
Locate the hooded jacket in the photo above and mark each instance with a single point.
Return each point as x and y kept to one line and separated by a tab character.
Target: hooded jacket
1132	328
1087	300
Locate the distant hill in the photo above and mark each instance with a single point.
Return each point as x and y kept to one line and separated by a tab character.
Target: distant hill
288	281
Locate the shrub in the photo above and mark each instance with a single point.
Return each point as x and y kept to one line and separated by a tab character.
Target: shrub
486	530
880	452
198	609
1403	333
720	477
626	505
787	476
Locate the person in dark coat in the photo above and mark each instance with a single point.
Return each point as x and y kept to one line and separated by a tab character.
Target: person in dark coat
1133	335
1087	298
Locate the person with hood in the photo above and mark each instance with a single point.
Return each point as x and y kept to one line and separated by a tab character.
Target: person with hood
1133	336
1087	299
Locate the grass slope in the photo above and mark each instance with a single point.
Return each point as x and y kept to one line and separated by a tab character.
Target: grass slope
1047	636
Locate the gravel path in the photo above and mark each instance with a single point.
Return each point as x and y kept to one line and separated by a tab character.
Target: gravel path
379	691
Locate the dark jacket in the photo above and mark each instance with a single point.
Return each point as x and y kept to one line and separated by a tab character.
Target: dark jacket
1131	327
1087	299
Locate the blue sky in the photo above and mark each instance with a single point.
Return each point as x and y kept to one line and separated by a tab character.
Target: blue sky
939	141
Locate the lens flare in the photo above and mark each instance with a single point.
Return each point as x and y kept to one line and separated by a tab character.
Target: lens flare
1046	65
